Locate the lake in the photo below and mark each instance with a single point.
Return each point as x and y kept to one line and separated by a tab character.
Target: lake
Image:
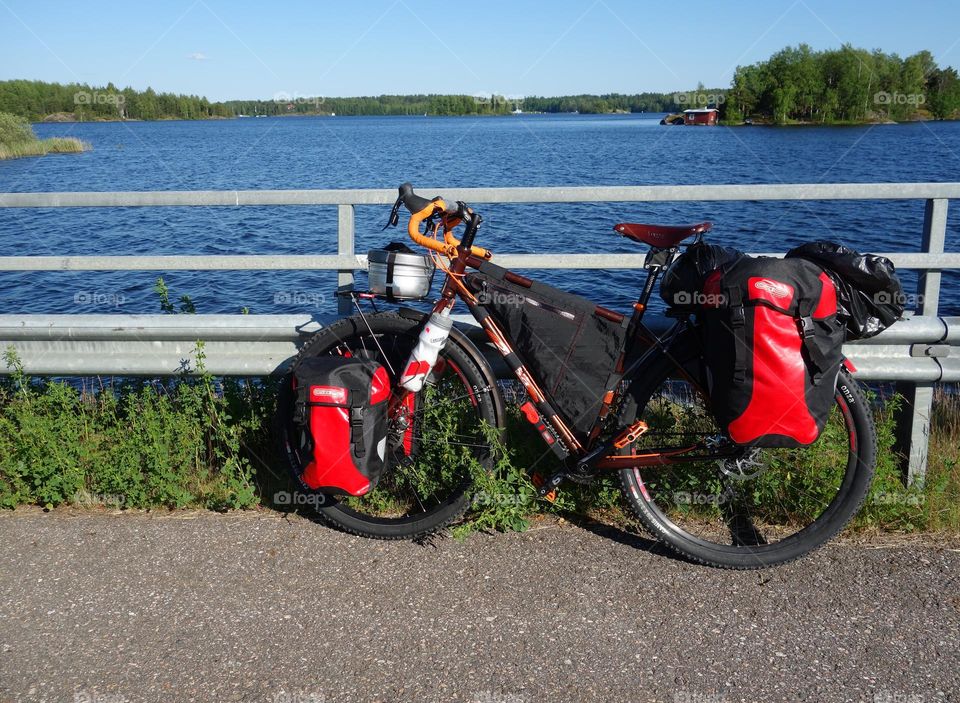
375	152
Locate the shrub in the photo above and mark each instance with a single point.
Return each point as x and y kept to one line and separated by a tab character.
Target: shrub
203	442
15	130
177	443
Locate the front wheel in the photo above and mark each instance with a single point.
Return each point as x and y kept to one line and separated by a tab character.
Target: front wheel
437	439
764	507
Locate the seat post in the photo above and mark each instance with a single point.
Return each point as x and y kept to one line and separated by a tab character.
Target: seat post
657	260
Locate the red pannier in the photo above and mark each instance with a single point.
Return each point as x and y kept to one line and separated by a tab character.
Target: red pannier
341	407
773	350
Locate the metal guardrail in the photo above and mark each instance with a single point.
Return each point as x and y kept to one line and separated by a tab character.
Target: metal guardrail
260	345
916	353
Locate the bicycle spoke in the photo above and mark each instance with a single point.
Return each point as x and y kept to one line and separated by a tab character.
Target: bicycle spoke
772	493
435	437
737	515
451	400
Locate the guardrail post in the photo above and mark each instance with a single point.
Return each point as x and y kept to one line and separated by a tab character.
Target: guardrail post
913	430
345	245
934	238
913	420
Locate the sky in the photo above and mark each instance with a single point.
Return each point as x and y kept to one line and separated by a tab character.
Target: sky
237	50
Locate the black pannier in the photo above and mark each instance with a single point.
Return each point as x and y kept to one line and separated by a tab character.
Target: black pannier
341	408
869	294
570	349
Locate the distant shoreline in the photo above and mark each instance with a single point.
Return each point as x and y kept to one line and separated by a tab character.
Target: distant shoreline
757	122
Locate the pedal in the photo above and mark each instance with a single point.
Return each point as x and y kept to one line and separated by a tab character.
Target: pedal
631	434
539	481
547	488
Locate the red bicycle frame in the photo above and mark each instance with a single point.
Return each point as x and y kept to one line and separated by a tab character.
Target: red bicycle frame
463	255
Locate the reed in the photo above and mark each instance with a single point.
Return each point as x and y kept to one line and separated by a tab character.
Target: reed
18	140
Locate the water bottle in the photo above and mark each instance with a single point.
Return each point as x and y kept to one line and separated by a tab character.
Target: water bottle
424	356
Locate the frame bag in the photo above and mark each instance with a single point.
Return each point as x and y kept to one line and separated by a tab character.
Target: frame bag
341	407
773	350
570	349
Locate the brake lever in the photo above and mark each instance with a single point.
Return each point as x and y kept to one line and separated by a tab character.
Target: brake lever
394	218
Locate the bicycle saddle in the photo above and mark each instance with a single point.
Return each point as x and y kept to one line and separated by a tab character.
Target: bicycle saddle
663	236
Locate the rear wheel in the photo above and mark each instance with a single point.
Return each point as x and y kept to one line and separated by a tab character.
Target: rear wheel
761	508
436	440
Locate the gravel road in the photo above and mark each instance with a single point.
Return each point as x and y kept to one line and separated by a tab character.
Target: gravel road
120	608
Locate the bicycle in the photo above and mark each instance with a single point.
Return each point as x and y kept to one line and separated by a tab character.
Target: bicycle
693	489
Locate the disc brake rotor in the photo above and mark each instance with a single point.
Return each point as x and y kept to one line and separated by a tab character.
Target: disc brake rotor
744	467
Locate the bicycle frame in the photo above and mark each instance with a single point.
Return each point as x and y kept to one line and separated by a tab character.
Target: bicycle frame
586	459
551	425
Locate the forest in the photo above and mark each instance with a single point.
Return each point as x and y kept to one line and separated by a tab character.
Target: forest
285	104
795	85
37	100
458	104
798	84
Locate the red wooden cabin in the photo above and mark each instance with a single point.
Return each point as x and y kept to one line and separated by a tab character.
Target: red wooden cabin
703	115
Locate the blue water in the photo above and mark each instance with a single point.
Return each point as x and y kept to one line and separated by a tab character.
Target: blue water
370	152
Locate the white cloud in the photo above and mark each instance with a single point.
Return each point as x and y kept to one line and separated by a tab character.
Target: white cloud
198	56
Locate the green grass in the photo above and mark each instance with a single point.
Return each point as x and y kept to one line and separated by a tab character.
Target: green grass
181	443
204	442
942	504
935	507
18	140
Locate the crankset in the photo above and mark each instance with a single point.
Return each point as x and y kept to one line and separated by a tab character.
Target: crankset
581	469
582	479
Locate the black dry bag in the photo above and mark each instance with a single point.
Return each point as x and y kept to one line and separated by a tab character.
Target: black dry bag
869	294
